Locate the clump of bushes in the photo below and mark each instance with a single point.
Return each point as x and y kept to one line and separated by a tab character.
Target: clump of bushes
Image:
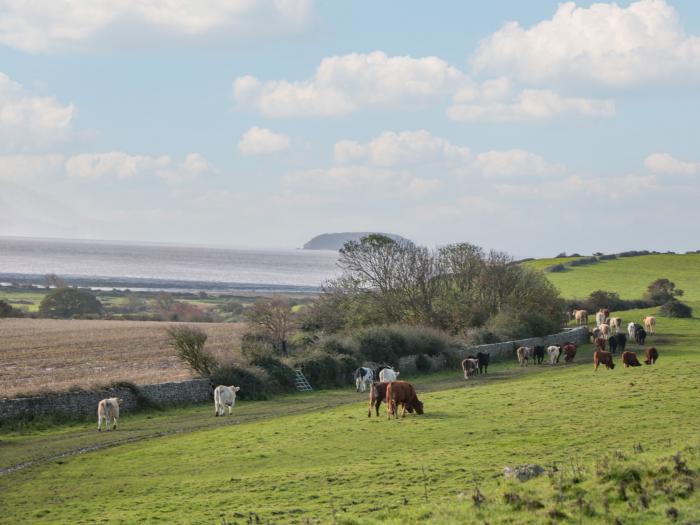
512	324
69	302
584	261
325	370
675	308
254	381
7	310
555	268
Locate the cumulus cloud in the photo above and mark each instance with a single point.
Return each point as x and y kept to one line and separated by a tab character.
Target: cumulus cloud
611	188
258	141
23	167
604	43
26	118
344	84
47	25
665	164
512	163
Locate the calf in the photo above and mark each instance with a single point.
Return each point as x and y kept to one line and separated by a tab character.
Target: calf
651	355
601	357
108	409
538	354
484	360
470	366
402	393
631	329
650	324
569	352
581	317
524	354
630	359
363	377
388	375
600	317
616	324
224	396
553	352
377	394
640	336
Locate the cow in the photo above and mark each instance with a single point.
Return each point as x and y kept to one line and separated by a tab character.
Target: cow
604	330
601	357
606	313
640	336
538	354
388	374
631	329
650	324
377	394
402	393
484	360
651	354
470	366
616	324
630	359
600	342
224	396
524	354
363	377
600	317
553	352
108	409
594	334
620	341
581	317
569	352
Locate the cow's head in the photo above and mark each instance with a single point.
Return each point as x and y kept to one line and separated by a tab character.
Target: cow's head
235	388
417	405
120	401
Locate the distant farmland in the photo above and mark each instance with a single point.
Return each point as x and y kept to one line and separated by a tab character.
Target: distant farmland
54	355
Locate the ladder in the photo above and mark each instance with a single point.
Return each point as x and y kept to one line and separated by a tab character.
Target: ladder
300	382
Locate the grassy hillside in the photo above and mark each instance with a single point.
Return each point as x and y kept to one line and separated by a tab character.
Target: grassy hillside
628	276
593	431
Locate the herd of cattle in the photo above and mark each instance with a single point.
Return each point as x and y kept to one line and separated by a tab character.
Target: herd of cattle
608	333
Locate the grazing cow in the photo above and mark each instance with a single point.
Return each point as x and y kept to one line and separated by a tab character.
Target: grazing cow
363	377
630	359
470	366
377	394
651	355
601	357
553	352
224	396
640	336
650	324
631	329
538	354
620	341
402	393
108	409
524	354
388	374
484	360
569	352
616	324
581	317
600	317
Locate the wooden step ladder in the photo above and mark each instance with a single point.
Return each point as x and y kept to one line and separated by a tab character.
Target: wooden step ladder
301	383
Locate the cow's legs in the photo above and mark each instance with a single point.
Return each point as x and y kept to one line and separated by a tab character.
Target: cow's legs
114	426
99	423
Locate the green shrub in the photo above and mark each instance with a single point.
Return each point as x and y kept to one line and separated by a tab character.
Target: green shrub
325	371
280	373
510	325
255	382
555	268
480	336
381	344
67	302
189	343
423	364
7	310
675	308
336	344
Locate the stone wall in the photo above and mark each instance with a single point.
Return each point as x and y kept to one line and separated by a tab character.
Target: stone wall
82	403
502	351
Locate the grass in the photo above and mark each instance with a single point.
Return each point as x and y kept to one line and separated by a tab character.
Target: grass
54	355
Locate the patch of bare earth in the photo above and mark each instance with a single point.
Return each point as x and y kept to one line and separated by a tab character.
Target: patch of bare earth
40	355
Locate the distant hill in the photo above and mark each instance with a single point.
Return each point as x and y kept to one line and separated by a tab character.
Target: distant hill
335	241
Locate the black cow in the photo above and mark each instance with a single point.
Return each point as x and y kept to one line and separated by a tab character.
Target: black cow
538	353
484	360
640	335
620	341
612	343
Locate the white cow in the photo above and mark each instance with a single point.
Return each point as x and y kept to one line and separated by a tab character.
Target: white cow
224	396
600	318
604	330
387	375
363	377
553	352
616	324
631	329
469	367
108	409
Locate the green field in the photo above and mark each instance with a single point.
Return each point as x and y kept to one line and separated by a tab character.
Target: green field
606	440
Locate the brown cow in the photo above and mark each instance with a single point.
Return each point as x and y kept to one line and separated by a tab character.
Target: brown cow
524	353
630	359
470	366
402	393
377	394
581	317
651	355
569	352
601	357
600	342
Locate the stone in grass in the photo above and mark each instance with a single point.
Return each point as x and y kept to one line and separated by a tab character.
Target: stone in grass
523	472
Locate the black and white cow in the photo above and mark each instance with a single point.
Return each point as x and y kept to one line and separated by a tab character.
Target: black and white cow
363	377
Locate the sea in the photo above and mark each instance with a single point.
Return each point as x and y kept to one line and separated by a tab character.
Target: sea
106	265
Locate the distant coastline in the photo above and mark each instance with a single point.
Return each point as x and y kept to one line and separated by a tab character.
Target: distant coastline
335	241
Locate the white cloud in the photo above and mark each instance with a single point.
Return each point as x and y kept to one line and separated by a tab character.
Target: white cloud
48	25
512	163
419	187
611	188
257	141
30	119
23	167
406	147
345	84
663	163
531	105
345	176
603	43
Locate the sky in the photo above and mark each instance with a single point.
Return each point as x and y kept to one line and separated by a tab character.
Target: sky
532	127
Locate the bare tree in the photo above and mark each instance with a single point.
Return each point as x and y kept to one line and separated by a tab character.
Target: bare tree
189	342
54	281
274	317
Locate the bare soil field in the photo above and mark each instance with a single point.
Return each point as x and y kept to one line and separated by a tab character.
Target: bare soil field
42	355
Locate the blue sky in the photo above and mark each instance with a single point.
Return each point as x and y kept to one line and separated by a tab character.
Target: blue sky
531	127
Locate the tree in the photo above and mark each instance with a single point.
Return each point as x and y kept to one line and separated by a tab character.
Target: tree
189	342
54	281
68	302
662	291
274	317
7	310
